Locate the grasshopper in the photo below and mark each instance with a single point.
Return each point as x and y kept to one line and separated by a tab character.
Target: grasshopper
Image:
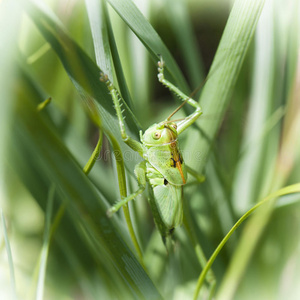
163	166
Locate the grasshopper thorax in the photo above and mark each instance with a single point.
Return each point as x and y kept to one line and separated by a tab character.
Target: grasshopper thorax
160	134
163	153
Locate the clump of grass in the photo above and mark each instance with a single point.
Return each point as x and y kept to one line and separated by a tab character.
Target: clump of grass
254	77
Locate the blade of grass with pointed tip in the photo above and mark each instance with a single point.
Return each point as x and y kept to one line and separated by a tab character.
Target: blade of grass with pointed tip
9	256
83	72
149	37
291	189
260	107
85	205
223	75
106	52
106	45
9	19
80	259
281	167
45	247
179	18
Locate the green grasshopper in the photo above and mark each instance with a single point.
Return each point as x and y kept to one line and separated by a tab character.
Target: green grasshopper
163	166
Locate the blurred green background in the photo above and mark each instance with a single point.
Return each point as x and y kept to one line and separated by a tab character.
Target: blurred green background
62	245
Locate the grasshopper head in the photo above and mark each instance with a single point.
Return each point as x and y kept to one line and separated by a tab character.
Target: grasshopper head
160	134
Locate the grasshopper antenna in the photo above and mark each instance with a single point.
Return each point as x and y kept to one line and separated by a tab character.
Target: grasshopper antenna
191	96
173	121
176	110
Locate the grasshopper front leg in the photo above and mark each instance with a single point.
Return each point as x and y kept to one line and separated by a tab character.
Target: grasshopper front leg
133	144
188	121
140	169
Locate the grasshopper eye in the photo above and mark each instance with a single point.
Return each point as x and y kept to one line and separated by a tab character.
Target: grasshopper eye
156	135
174	126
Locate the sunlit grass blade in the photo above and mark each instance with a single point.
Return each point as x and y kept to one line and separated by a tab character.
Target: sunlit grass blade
89	165
177	14
83	72
282	145
43	104
149	37
282	192
10	20
107	47
98	25
38	148
260	108
10	258
106	52
224	72
216	94
45	246
246	145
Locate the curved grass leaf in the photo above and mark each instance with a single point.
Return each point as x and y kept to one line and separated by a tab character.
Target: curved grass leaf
45	247
223	74
278	146
179	18
149	37
291	189
9	256
106	46
106	52
39	148
254	160
83	72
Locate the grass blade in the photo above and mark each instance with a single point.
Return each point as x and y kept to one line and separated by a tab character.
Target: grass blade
180	22
106	52
10	259
291	189
223	74
149	37
259	111
285	145
103	45
83	72
46	245
9	19
39	147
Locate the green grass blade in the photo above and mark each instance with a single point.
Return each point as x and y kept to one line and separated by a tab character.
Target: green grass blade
178	16
106	52
123	193
223	74
291	189
254	160
42	149
149	37
102	44
46	245
285	145
9	19
83	72
98	25
89	165
9	256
